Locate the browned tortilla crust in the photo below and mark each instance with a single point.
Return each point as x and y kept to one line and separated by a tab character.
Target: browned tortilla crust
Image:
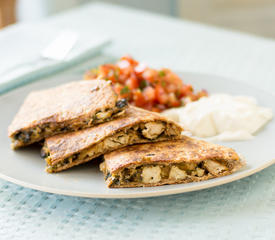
64	145
68	104
185	150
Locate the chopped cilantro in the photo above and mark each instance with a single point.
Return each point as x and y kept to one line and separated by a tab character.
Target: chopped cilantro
163	83
161	73
142	84
124	90
116	74
177	93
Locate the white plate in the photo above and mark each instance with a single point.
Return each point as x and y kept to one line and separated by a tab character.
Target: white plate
26	168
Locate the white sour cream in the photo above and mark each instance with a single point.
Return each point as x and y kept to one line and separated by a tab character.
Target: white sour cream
222	117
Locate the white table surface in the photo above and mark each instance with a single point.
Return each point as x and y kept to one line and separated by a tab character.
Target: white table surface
241	210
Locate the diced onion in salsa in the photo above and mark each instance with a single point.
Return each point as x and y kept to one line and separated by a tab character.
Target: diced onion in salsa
151	89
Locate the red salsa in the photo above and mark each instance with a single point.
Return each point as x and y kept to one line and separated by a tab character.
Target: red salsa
151	89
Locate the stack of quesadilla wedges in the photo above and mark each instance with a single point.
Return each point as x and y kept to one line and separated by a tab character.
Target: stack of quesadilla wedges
80	121
135	126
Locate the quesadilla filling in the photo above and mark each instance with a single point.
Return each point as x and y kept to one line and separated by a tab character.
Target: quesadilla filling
37	133
160	174
140	133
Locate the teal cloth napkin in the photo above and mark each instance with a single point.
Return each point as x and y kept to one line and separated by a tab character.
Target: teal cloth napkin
20	49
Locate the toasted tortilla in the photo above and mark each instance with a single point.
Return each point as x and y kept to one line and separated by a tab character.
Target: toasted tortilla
65	108
136	126
168	162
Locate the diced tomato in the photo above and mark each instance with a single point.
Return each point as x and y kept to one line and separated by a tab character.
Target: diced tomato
186	90
170	88
105	69
123	64
140	68
138	98
202	93
161	96
149	93
117	88
193	97
171	77
173	100
159	108
150	75
130	60
132	82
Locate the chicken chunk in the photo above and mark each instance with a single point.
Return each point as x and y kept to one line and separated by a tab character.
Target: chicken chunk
104	115
176	173
151	174
116	141
214	167
152	130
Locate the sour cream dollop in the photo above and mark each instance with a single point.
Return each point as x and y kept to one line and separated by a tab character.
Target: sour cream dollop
222	117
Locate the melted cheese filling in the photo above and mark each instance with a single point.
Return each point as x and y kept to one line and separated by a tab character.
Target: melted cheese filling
38	133
149	174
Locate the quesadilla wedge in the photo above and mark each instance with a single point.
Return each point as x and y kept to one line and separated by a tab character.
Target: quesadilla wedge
136	126
65	108
168	162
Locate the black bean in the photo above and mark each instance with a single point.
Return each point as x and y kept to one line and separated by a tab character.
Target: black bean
116	181
17	135
201	165
107	175
121	103
27	137
66	161
64	129
43	154
75	156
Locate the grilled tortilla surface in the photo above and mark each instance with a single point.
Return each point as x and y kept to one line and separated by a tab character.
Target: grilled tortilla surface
65	108
136	126
170	162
